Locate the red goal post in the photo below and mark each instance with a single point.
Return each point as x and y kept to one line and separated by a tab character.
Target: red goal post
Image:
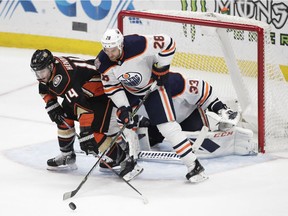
193	31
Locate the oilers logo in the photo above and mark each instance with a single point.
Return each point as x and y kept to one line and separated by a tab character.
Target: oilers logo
131	79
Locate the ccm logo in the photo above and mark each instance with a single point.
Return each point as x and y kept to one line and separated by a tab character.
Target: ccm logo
223	134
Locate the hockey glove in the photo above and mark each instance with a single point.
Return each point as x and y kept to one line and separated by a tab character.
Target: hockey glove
160	74
124	117
55	112
88	143
94	143
141	121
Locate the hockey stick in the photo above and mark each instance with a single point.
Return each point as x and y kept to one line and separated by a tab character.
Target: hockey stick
158	155
70	194
166	155
150	155
145	200
172	156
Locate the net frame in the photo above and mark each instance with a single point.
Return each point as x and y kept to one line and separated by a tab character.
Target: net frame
238	24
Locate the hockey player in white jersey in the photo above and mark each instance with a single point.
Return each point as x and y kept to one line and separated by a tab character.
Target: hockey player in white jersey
131	64
191	95
196	105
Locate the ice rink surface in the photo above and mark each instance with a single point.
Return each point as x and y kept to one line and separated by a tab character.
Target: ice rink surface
250	186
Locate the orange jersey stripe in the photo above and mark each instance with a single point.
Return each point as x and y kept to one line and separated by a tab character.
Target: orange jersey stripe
111	89
206	92
105	115
171	49
203	116
184	147
166	103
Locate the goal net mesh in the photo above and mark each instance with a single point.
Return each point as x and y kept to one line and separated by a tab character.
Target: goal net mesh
221	50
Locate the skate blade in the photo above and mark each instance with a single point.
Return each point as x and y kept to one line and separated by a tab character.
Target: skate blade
62	168
199	178
107	170
135	172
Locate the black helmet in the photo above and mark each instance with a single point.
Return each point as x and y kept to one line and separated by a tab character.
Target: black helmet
41	59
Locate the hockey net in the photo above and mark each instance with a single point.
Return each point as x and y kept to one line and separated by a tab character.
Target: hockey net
234	55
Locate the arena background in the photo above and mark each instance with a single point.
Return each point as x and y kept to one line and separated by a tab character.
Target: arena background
77	26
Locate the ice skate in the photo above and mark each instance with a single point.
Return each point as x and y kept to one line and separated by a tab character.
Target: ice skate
130	169
64	161
114	164
113	161
197	173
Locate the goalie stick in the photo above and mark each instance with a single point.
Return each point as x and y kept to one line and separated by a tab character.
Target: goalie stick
166	155
72	193
172	156
158	155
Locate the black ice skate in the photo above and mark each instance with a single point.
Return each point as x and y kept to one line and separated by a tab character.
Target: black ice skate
64	161
114	164
130	169
197	173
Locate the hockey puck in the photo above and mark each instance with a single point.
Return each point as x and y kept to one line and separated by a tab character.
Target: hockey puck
72	205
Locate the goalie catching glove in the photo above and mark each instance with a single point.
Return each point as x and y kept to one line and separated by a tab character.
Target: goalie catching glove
94	143
160	74
55	112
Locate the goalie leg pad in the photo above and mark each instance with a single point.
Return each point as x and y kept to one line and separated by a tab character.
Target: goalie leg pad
131	137
236	141
143	136
244	142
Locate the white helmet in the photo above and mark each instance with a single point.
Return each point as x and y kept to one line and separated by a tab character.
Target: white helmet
112	38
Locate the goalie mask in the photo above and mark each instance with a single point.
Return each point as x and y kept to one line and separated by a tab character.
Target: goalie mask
41	64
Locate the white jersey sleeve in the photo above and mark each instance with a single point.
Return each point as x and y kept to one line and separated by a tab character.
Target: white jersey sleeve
163	47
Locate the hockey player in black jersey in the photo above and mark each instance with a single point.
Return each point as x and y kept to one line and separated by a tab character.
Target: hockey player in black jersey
77	83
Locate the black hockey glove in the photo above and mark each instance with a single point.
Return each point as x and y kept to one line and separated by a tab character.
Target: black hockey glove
141	121
55	112
88	143
160	74
124	117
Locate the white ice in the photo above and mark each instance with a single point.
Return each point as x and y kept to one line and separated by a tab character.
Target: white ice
254	185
